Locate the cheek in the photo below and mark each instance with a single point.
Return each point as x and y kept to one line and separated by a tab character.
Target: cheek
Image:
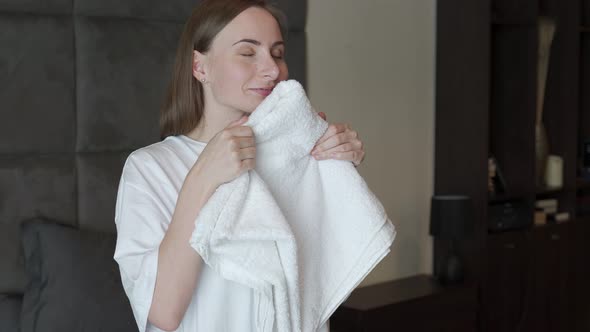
234	73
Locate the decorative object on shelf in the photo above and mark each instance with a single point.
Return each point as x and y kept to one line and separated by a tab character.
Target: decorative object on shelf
451	219
540	218
508	214
559	218
546	33
496	182
548	210
585	160
554	172
549	205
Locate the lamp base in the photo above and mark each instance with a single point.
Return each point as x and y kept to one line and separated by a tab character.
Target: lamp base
450	271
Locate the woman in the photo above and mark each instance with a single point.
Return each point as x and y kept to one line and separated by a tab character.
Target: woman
230	57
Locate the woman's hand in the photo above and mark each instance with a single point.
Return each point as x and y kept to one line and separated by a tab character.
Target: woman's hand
231	152
339	142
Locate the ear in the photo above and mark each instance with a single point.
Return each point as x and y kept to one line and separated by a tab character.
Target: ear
199	60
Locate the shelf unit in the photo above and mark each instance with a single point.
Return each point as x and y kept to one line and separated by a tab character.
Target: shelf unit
534	278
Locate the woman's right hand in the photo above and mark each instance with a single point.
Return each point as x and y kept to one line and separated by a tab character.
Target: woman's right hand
228	154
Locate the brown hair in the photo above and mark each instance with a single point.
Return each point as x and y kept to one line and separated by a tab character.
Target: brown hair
183	107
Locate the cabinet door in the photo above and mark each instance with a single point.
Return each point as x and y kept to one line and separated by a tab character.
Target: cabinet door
580	274
558	261
548	305
507	276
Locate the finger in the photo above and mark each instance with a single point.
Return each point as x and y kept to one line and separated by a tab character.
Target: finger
237	122
242	131
245	142
248	164
332	142
247	153
345	147
323	115
347	156
333	129
362	157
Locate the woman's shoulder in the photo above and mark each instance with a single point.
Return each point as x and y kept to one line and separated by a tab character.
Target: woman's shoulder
150	153
158	159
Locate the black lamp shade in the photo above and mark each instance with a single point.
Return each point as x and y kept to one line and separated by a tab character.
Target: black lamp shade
451	216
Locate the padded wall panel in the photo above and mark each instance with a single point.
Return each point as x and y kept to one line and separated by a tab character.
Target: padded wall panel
36	84
37	186
12	272
81	85
10	313
178	10
30	187
37	6
98	181
123	67
295	56
296	12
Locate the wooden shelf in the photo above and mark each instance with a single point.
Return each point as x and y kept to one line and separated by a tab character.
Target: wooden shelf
501	198
514	22
393	305
545	192
397	291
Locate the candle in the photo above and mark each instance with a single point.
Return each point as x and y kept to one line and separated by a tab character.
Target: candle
554	172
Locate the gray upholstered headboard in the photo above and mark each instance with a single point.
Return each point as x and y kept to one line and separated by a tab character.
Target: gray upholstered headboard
81	83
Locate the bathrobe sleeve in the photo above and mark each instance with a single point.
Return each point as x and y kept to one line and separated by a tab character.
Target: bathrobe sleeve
141	225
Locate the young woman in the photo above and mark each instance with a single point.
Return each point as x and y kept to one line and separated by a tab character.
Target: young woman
230	57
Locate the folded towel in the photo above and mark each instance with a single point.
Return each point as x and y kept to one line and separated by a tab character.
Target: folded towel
302	233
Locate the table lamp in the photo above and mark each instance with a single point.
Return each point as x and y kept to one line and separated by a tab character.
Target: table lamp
451	218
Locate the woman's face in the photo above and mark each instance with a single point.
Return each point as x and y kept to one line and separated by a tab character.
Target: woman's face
245	62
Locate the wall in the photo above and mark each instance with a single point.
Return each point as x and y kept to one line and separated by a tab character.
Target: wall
371	64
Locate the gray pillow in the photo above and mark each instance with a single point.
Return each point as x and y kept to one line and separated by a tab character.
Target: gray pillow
10	306
73	283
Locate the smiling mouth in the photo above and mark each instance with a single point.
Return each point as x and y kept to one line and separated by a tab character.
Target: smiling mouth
263	91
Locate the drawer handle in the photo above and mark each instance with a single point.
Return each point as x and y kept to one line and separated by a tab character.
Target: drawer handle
555	237
509	246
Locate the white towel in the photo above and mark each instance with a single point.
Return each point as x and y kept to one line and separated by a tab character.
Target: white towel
302	233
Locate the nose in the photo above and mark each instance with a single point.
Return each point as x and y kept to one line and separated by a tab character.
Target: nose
269	68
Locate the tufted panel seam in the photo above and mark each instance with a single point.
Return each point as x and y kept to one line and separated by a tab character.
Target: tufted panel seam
75	65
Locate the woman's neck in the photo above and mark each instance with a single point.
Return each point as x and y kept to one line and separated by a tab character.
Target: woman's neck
210	125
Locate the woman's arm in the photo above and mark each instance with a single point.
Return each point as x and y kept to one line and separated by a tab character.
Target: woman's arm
179	265
228	154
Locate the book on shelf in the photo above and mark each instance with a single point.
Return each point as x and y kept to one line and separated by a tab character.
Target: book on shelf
559	217
540	218
544	218
548	202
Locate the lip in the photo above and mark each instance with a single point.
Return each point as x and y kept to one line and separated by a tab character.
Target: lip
263	91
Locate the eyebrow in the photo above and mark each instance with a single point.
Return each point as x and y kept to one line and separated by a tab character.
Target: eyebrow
257	43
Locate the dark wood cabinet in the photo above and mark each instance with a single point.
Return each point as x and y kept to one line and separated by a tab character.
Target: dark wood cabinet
527	285
531	278
526	278
506	287
579	292
417	304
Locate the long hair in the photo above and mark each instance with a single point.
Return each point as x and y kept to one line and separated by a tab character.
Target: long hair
183	107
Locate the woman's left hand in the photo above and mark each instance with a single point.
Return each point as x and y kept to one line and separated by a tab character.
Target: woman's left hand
339	142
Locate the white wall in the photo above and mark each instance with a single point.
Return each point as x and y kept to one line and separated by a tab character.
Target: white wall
371	64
